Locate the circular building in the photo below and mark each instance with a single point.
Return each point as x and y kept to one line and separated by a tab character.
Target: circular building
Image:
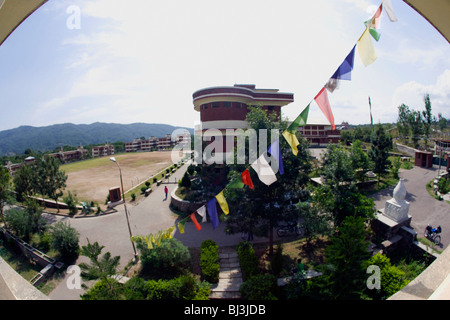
224	109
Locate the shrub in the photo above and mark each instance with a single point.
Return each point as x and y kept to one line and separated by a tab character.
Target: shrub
392	278
276	264
168	259
133	196
71	201
260	287
185	181
65	239
248	260
209	261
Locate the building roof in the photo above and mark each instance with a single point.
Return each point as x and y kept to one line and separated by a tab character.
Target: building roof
13	13
436	12
243	92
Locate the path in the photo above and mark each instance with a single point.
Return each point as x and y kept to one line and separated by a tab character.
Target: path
230	275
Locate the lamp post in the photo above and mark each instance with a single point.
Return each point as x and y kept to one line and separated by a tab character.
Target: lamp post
125	206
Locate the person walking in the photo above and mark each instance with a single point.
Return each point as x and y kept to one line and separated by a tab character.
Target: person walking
166	191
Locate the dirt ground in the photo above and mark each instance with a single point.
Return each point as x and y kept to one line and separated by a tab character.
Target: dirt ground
92	181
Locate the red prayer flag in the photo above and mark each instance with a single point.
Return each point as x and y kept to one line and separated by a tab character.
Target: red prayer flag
246	179
324	105
194	220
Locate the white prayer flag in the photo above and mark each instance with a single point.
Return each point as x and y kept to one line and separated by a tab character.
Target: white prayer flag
387	6
264	171
202	212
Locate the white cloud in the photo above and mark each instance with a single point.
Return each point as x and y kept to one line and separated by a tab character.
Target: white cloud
412	94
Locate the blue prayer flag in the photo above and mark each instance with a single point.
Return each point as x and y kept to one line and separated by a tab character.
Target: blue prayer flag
275	152
212	211
344	72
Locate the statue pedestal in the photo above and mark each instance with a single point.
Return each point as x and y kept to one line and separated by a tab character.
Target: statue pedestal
396	211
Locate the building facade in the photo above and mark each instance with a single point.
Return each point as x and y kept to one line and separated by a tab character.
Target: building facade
319	134
102	151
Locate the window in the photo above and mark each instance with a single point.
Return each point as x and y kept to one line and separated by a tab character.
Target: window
215	104
204	106
227	104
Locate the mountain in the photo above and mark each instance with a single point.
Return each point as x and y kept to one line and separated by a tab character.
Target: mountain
50	137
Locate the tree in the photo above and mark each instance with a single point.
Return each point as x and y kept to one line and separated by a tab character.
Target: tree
65	239
99	268
359	160
262	209
5	190
314	222
442	122
347	254
403	122
338	184
52	180
427	119
26	221
25	182
381	144
338	196
416	124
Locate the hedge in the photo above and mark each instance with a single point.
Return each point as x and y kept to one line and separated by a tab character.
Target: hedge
248	260
209	261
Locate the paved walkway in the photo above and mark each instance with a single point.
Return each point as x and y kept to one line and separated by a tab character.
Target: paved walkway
230	275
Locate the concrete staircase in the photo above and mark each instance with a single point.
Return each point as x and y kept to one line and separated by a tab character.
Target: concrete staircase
230	276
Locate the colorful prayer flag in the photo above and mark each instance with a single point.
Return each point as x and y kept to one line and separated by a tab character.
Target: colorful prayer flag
181	226
212	211
246	179
299	121
194	220
275	152
322	101
375	34
387	6
264	171
292	141
202	212
344	71
236	183
366	49
375	20
222	203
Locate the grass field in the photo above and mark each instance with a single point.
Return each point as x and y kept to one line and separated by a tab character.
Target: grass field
91	180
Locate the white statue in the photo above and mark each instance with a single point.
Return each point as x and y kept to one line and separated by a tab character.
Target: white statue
397	208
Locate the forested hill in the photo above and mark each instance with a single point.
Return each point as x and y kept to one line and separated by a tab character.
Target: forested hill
50	137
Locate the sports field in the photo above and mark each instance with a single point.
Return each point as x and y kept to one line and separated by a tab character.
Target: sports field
91	179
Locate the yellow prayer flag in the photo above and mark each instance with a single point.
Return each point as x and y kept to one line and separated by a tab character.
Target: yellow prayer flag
292	140
181	226
222	202
366	49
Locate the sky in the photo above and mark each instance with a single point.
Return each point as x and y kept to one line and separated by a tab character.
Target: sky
118	61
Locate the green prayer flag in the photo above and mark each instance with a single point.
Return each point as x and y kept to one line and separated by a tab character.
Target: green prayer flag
236	183
299	121
375	34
